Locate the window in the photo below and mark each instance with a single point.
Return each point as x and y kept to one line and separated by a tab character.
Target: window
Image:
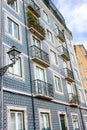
13	4
71	90
81	95
63	121
76	74
58	84
45	121
13	29
16	69
75	122
85	119
53	57
40	73
49	36
36	42
56	29
46	17
16	120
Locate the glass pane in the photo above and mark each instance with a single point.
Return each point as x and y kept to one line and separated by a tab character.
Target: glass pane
12	121
17	67
40	74
45	123
9	26
53	57
36	42
16	31
20	121
58	84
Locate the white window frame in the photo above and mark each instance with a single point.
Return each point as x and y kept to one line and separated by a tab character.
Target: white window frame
22	109
77	119
22	68
34	37
56	60
37	65
45	111
66	119
51	36
11	70
45	16
85	121
19	31
16	11
59	92
81	97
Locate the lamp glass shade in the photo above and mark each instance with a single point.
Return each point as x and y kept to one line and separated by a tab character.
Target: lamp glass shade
13	53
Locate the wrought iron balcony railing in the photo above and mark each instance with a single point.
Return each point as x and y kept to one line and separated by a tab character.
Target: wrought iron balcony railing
73	99
43	89
64	52
61	35
34	8
69	75
40	56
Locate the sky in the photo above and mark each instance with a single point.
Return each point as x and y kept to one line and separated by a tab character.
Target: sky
75	15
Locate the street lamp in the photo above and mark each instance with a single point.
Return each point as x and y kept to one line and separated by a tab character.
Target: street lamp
14	56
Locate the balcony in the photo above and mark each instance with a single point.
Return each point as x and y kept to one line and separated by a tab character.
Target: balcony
73	100
43	90
64	52
69	75
33	7
61	35
35	27
39	56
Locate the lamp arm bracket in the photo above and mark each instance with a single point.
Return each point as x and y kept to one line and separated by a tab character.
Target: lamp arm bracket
4	69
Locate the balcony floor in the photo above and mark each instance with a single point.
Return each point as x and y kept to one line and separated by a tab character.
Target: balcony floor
41	62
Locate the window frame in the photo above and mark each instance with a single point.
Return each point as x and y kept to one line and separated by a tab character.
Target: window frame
85	121
13	69
47	111
16	11
22	67
66	119
37	65
77	119
19	30
34	37
50	39
19	109
59	92
45	15
52	51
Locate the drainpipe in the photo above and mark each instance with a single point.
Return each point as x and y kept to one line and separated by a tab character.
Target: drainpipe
26	31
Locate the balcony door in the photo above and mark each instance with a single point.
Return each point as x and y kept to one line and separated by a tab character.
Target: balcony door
40	73
41	84
36	42
63	122
71	90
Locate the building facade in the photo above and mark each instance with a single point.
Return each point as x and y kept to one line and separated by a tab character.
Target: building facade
81	55
43	90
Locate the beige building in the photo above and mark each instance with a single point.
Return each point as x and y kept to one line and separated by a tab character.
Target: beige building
81	54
